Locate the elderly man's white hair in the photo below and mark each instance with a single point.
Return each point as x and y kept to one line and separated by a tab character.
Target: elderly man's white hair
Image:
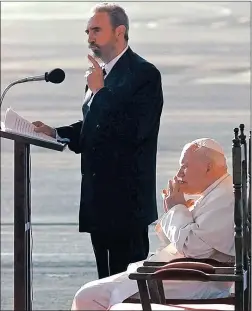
210	150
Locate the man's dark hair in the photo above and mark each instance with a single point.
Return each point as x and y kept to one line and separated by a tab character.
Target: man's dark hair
117	16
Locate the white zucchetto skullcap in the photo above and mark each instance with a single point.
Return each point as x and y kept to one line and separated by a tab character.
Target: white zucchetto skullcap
208	143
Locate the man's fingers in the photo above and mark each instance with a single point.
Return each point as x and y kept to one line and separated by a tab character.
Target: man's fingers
164	196
40	128
94	62
37	123
176	184
165	205
170	187
164	193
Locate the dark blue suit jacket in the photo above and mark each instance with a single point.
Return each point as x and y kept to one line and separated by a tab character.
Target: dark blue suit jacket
118	146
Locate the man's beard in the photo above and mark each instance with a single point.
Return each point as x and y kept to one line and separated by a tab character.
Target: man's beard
103	53
96	50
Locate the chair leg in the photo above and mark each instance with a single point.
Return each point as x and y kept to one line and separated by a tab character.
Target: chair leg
153	290
239	296
247	294
144	295
161	292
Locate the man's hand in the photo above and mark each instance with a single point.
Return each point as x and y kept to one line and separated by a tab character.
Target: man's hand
95	79
174	195
43	128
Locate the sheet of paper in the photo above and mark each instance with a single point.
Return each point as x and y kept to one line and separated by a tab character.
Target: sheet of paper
15	123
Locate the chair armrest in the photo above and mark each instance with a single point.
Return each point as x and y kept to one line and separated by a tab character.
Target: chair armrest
154	263
209	261
224	270
179	265
170	274
196	265
183	275
148	269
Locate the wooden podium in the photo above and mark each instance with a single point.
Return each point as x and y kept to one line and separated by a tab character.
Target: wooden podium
22	215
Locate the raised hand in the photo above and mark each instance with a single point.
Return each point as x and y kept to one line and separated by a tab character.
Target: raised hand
95	78
174	195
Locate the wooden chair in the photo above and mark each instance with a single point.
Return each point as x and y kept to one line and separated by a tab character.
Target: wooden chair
246	202
248	226
208	270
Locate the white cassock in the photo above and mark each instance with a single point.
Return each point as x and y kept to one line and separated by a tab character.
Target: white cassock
205	232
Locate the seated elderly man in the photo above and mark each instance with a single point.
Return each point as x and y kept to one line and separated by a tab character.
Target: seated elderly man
204	230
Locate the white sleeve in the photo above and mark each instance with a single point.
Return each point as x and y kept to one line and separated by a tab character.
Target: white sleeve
180	228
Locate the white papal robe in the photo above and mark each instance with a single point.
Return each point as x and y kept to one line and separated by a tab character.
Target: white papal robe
205	232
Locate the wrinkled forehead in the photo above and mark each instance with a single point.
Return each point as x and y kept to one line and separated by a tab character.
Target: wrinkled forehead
98	19
188	154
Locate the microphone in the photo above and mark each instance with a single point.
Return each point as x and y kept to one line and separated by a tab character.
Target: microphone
54	76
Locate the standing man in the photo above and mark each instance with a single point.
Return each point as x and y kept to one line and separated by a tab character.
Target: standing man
117	139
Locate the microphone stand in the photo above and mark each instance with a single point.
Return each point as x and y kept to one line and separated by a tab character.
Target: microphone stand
55	76
28	79
36	78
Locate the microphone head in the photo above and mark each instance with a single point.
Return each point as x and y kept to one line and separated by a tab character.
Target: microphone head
55	76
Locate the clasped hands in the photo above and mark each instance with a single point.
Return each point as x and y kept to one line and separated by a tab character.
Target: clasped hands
95	78
174	195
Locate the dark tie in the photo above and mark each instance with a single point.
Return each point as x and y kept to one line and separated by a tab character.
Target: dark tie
85	107
104	72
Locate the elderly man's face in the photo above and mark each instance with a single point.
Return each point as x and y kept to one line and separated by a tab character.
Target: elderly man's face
192	172
101	36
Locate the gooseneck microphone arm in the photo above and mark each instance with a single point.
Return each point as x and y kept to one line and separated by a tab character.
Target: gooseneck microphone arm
17	82
55	76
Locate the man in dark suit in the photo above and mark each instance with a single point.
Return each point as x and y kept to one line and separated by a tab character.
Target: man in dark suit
117	140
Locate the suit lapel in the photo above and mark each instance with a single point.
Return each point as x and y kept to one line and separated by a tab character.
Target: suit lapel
120	68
